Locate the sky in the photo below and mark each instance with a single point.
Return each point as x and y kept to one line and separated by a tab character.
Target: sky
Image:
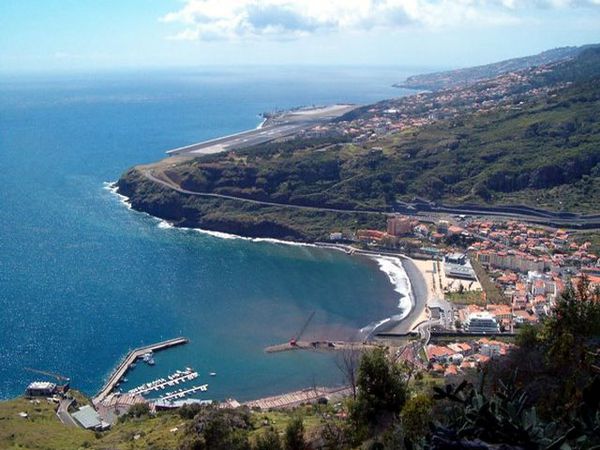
91	35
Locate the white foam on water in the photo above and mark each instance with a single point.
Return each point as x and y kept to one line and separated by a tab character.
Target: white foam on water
112	187
222	235
165	225
393	268
260	125
373	326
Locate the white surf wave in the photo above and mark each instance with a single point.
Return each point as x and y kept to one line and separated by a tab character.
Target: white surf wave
262	124
165	225
112	187
393	268
222	235
366	331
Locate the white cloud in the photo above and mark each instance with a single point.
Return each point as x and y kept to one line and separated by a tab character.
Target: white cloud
235	19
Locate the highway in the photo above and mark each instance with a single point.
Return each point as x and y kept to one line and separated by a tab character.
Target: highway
172	185
515	212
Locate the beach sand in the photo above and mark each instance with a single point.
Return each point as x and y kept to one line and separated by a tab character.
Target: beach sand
428	271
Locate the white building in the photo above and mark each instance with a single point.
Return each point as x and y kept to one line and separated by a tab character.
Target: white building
482	322
40	389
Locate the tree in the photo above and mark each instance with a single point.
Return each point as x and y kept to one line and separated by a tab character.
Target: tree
574	322
219	434
416	416
528	336
294	435
136	411
218	429
268	440
348	362
381	390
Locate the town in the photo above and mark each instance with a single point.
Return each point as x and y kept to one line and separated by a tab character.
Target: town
488	278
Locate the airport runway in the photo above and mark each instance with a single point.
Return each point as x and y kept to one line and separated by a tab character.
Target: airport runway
285	125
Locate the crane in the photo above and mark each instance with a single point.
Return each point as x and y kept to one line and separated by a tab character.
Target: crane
295	339
58	376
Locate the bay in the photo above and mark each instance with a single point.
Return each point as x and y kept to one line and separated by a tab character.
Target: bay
83	279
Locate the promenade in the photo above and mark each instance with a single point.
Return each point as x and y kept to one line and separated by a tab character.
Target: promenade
293	399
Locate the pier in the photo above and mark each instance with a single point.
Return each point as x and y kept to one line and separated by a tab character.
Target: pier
321	345
297	398
130	358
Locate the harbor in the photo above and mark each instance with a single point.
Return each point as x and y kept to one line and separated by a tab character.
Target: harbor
118	374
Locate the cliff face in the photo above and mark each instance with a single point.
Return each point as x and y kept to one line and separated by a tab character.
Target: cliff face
149	197
226	216
237	217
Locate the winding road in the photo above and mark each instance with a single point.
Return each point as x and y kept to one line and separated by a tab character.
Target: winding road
63	413
165	181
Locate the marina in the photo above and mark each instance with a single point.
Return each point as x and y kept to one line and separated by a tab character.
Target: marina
162	383
118	374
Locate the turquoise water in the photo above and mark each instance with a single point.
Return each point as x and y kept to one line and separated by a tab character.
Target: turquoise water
83	279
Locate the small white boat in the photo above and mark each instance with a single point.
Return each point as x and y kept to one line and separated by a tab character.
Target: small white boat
213	374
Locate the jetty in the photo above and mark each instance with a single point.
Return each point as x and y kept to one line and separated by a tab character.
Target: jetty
182	393
321	345
129	359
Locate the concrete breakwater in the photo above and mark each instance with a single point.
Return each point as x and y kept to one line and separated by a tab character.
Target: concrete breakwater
296	398
320	345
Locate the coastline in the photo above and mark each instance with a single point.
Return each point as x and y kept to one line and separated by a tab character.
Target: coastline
407	277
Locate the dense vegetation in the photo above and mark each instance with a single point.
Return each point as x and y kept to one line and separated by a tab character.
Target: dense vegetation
238	217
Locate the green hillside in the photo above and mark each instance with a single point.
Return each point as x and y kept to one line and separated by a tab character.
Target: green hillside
544	151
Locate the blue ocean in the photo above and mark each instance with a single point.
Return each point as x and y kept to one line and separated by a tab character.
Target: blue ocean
83	279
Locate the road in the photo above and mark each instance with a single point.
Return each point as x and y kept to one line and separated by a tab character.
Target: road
515	212
172	185
63	413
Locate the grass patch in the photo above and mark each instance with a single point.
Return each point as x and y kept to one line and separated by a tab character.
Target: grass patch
466	298
493	294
